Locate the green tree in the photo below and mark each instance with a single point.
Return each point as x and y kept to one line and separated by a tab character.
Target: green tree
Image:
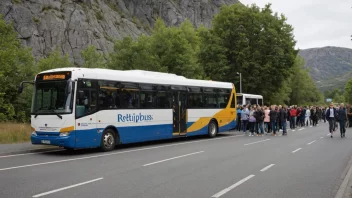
253	41
92	58
168	49
303	88
16	65
134	54
54	60
348	92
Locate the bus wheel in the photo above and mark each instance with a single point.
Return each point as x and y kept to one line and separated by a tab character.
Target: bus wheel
212	129
108	140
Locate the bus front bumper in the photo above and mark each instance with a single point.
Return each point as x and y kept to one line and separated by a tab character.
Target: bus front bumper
55	139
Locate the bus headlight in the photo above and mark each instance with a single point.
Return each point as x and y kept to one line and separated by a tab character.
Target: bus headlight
34	133
64	134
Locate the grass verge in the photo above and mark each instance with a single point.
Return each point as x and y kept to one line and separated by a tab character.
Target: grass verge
14	132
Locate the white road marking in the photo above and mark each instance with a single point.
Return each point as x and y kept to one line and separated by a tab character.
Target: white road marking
172	158
267	167
115	153
293	130
301	129
311	126
311	142
321	137
296	150
68	187
219	194
257	142
328	134
15	155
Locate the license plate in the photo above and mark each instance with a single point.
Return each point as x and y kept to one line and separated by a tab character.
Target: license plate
45	141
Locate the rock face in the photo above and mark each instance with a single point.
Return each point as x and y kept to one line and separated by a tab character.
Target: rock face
72	25
330	67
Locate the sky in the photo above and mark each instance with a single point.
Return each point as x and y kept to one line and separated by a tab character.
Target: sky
316	23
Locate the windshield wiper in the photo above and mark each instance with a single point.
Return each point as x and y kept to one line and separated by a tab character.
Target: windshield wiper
58	115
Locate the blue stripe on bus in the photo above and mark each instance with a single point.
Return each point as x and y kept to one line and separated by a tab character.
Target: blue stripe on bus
91	138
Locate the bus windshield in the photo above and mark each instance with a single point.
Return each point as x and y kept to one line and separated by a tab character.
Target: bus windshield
52	97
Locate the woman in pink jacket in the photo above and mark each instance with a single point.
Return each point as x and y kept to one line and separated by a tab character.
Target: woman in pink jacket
266	119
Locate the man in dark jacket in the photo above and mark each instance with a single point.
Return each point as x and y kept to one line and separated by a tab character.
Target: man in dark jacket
342	118
259	116
331	115
273	115
283	119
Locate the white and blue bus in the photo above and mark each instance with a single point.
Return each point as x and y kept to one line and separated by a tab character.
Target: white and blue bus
249	99
88	108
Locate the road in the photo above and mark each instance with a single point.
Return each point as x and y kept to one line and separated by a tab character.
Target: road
306	163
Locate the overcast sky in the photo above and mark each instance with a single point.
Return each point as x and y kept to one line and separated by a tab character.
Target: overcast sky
317	23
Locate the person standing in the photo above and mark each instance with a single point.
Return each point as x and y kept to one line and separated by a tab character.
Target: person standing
244	118
260	120
239	112
267	120
273	117
298	122
283	119
342	118
349	114
302	116
324	114
293	114
306	121
331	117
251	121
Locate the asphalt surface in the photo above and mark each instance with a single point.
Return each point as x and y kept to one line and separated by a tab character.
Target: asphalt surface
306	163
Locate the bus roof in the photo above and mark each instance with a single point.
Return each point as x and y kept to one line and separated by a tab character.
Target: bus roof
250	95
139	76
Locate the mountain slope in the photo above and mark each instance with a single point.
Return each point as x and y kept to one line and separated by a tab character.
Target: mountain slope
330	67
72	25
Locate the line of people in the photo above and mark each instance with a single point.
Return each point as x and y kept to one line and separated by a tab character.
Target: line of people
272	119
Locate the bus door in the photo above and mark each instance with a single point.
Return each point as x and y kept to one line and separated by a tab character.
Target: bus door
179	111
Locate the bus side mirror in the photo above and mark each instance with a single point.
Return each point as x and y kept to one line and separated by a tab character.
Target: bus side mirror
81	94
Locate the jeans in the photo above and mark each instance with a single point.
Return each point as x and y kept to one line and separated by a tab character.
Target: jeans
251	126
332	124
261	127
342	126
284	124
293	123
266	126
273	126
244	125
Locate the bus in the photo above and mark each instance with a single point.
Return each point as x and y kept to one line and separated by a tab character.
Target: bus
88	108
249	99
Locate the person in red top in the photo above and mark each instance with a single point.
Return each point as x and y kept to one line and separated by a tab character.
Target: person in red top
293	114
299	110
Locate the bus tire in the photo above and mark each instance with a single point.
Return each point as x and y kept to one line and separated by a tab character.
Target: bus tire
212	129
108	140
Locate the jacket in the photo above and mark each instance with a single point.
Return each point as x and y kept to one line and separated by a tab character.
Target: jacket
293	112
342	114
273	115
266	115
282	115
259	116
245	114
328	113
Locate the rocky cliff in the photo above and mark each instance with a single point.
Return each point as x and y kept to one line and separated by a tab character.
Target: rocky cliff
72	25
330	67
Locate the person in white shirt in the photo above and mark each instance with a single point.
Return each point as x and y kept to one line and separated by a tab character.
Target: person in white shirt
306	120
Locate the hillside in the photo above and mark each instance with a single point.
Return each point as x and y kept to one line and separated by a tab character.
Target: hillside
72	25
330	67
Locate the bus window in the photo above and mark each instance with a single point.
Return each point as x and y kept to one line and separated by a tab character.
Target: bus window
109	95
260	102
253	101
210	100
195	98
223	98
88	103
148	96
240	100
